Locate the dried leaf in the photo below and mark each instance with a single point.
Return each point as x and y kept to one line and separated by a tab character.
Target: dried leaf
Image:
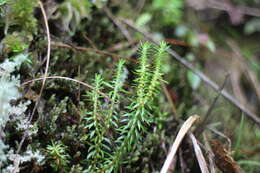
223	159
31	95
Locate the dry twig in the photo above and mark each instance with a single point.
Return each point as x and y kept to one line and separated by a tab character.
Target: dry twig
119	25
224	5
70	79
221	135
78	48
48	46
17	163
212	166
200	157
205	120
174	110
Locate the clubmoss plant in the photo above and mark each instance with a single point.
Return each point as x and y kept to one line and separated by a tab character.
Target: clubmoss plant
116	84
95	126
113	133
101	121
58	157
139	114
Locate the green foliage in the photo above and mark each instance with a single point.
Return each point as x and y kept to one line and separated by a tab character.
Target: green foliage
56	111
245	2
252	26
20	14
82	6
2	3
70	13
58	157
14	43
257	133
143	19
249	163
116	85
116	125
193	80
250	166
195	38
95	126
239	133
21	23
99	3
100	120
171	10
125	131
138	116
157	71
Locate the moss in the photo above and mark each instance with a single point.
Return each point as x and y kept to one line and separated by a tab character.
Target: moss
20	15
14	43
70	13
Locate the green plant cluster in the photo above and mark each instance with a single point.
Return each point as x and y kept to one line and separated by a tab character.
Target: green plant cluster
20	14
20	25
105	133
13	116
113	134
119	125
170	10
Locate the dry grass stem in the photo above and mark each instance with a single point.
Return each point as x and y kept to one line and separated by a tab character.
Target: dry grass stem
200	157
67	78
212	166
48	46
184	129
16	162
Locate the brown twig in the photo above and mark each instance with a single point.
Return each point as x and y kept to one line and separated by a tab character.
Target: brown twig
48	46
204	122
201	75
47	60
212	166
223	5
17	163
170	101
224	161
222	135
78	48
239	61
118	24
90	41
121	45
67	78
